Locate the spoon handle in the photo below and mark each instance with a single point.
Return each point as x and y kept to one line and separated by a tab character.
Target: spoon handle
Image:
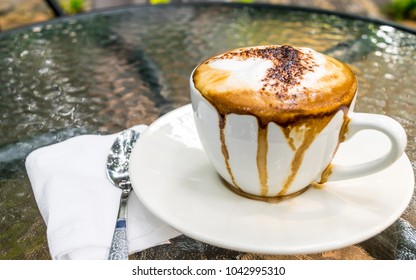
119	249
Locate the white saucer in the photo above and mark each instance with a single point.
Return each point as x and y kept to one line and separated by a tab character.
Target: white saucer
173	178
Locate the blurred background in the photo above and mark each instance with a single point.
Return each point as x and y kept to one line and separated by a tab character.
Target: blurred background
15	13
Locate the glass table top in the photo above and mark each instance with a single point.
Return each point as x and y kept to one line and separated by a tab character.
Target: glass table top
109	70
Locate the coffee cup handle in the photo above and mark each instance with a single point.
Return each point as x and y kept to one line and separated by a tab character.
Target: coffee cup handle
388	126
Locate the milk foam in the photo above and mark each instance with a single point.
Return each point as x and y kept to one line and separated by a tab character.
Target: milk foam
251	72
280	84
246	73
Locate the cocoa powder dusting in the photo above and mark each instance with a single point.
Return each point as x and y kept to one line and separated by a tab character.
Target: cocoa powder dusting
289	65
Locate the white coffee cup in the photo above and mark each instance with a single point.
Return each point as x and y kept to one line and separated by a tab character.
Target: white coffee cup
232	145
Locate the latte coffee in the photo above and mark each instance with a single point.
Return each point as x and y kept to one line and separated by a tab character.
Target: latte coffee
272	117
278	84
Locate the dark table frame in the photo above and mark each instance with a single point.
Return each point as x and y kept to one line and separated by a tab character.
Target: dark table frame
60	14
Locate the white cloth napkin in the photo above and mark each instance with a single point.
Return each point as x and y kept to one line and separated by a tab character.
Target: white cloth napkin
80	205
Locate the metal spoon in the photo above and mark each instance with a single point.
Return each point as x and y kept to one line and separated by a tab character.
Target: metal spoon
118	173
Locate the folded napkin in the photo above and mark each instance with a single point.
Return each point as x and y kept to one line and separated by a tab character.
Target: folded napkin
80	205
